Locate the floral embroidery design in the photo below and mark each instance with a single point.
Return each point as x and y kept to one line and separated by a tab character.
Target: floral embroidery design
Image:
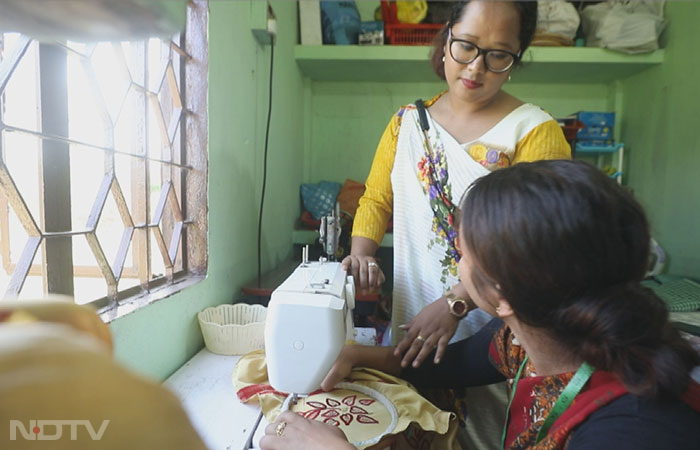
489	156
334	412
433	175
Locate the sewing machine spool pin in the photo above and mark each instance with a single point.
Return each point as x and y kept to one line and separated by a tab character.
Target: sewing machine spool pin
305	256
330	233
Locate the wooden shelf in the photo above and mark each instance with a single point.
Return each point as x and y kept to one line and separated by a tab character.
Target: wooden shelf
410	63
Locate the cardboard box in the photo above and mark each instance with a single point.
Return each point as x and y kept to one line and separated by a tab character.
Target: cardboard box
310	22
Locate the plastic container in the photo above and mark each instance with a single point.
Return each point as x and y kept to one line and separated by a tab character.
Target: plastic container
233	329
406	33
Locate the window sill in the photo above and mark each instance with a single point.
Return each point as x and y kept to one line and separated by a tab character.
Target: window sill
129	305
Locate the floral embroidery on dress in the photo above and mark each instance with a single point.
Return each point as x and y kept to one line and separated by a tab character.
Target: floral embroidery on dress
490	156
434	178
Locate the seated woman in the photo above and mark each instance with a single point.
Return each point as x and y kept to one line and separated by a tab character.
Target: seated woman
556	251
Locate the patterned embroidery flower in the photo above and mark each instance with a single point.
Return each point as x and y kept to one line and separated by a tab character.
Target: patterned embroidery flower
490	156
347	410
433	176
477	151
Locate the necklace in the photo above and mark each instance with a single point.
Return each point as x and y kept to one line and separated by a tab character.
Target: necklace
571	390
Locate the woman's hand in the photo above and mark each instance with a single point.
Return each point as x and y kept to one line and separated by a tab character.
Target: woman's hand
362	265
365	270
433	327
291	431
342	367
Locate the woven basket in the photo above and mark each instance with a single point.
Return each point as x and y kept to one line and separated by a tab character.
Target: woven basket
233	329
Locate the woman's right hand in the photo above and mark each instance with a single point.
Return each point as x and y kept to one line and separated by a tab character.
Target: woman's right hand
342	367
291	432
365	270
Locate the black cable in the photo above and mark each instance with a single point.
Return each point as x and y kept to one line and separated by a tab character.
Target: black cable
264	180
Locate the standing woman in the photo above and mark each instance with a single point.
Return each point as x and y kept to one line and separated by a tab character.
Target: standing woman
422	168
474	128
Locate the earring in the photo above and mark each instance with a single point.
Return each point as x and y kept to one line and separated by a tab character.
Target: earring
443	58
498	310
508	77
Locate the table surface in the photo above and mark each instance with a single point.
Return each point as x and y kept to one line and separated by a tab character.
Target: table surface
204	386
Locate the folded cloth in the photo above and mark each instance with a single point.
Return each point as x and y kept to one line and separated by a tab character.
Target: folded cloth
360	416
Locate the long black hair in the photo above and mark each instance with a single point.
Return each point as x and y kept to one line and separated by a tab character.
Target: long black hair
568	247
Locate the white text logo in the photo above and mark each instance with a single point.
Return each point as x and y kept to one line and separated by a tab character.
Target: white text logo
38	429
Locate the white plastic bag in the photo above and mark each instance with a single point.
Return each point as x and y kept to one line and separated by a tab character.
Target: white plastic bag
627	26
557	17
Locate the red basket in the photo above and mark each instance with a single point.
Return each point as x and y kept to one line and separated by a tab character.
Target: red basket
406	33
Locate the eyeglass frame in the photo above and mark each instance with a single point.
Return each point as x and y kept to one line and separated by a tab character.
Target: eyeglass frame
480	51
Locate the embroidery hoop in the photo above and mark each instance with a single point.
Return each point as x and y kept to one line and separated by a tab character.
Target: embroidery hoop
372	393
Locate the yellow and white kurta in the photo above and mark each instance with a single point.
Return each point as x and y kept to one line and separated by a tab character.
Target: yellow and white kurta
421	186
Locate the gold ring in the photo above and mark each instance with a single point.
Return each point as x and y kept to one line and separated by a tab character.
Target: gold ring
420	338
280	428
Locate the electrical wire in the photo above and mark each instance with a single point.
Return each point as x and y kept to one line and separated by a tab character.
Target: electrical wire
264	180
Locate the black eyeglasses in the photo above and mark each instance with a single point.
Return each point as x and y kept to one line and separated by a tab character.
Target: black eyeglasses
464	52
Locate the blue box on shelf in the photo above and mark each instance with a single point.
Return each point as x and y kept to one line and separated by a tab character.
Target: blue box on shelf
585	147
596	142
596	125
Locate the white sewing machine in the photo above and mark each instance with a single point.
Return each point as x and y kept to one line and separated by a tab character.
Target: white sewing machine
309	317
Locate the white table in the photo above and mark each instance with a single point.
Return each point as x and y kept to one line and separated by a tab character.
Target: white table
205	388
206	391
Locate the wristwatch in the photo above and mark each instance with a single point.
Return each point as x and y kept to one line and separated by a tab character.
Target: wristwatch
458	306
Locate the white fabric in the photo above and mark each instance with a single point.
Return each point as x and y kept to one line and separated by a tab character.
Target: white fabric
417	268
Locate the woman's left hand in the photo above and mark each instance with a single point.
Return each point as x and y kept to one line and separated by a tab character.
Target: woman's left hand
291	431
432	328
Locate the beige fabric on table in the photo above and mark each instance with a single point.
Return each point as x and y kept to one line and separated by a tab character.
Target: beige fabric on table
357	415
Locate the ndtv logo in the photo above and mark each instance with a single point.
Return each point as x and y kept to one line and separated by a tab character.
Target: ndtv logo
37	428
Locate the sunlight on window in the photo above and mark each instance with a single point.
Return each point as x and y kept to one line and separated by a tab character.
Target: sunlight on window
123	131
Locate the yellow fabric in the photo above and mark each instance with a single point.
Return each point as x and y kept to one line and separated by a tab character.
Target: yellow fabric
251	371
52	371
57	309
376	204
545	141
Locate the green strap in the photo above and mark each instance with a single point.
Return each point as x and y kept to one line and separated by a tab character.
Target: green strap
566	398
512	395
581	377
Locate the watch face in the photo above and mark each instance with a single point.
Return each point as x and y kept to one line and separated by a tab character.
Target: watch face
459	307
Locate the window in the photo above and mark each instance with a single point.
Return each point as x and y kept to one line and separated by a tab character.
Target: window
103	165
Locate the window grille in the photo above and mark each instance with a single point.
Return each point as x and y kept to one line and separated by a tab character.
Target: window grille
103	164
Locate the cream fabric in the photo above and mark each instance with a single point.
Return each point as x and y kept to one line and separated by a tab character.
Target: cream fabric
359	416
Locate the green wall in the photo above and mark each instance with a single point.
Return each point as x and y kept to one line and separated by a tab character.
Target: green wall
344	120
157	339
329	130
660	129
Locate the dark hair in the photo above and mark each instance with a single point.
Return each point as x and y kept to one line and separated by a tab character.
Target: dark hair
528	24
568	247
